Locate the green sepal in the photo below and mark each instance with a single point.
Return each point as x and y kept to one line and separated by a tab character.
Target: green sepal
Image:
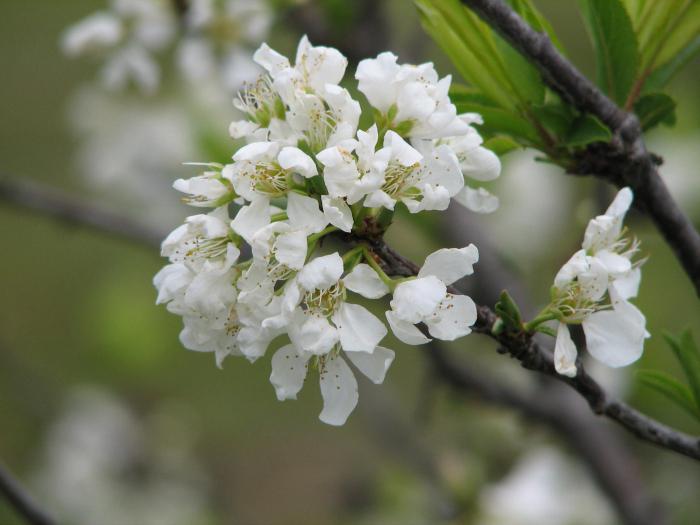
654	109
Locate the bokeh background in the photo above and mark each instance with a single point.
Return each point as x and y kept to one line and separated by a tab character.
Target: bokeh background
107	419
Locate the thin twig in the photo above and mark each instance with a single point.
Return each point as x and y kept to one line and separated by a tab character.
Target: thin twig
66	208
532	356
633	165
18	499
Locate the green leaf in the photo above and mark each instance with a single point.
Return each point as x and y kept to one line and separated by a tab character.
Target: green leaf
683	29
501	145
615	46
530	85
660	77
585	130
469	44
689	357
554	116
509	312
654	109
673	389
500	121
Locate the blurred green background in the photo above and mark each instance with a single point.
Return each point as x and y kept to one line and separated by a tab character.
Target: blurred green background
91	368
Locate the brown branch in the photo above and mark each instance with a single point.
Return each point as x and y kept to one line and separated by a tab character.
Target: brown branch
532	356
636	167
71	210
18	499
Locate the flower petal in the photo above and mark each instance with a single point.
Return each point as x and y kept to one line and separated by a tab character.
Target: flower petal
405	331
339	391
252	218
477	200
358	328
288	372
415	300
450	264
296	160
365	281
290	249
322	272
304	213
312	334
374	365
453	319
565	352
337	212
616	337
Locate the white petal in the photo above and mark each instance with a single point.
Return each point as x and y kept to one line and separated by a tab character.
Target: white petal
256	150
401	150
358	328
337	212
616	337
339	391
477	200
577	264
417	299
627	286
453	319
322	272
365	281
374	365
291	248
481	164
312	334
377	79
288	372
621	203
304	213
405	331
250	219
450	264
270	60
242	128
615	264
296	160
565	352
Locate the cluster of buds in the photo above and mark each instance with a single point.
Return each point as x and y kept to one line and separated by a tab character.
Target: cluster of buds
305	172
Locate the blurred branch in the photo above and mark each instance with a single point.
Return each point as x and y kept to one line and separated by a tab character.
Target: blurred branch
181	7
364	35
532	356
623	162
18	499
66	208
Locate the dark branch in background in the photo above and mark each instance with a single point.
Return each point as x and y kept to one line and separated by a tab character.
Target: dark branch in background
18	499
532	356
623	162
181	7
66	208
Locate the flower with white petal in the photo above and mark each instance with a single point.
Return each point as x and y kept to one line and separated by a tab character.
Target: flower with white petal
593	289
425	299
411	97
210	189
423	178
477	163
321	326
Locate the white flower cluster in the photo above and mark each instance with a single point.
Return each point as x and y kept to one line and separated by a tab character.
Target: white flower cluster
305	172
130	34
593	289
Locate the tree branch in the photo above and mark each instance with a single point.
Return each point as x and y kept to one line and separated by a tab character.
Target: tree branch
23	504
532	356
74	211
634	166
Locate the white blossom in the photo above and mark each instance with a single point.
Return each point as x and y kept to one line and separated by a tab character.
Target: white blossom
425	299
594	287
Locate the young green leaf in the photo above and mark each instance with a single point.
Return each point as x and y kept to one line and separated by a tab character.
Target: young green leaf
689	357
585	130
615	46
654	109
660	77
501	145
529	13
509	312
673	389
